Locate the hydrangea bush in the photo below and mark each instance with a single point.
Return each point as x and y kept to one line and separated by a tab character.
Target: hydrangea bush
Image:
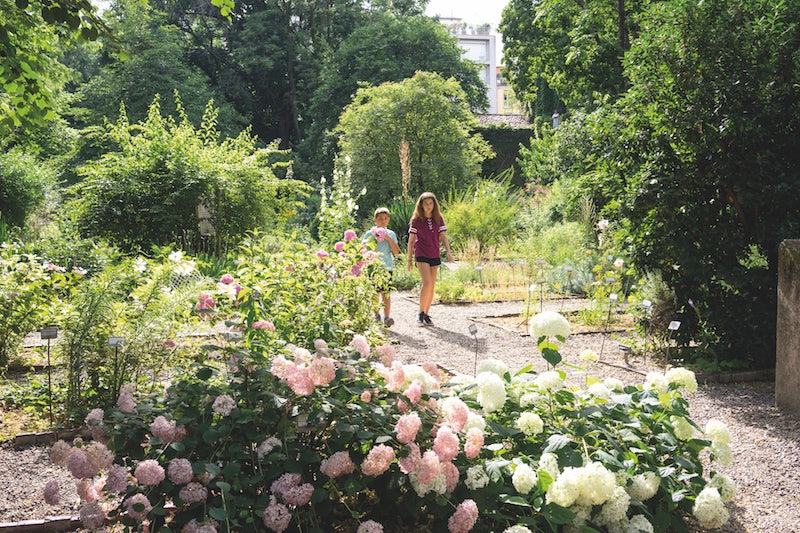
346	438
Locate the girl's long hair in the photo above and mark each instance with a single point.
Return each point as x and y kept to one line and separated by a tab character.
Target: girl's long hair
419	213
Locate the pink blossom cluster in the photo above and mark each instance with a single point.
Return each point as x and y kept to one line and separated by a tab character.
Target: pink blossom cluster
227	279
193	492
395	376
179	471
79	465
370	526
407	427
378	460
276	516
87	491
92	516
473	443
163	429
263	324
116	479
100	457
305	373
137	506
464	518
223	405
360	344
193	526
125	402
455	412
94	420
52	495
379	233
451	476
322	254
149	472
350	235
205	301
291	490
414	392
386	354
410	462
357	269
446	445
339	246
54	268
338	464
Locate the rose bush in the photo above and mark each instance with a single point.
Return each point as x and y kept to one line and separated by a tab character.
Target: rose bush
344	438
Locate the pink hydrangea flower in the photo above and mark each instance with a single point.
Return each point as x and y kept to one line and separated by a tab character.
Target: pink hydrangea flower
407	427
94	417
59	452
410	462
370	526
100	457
378	460
450	476
464	518
379	233
320	346
300	381
360	344
445	445
276	516
338	464
168	344
125	402
51	493
287	481
149	472
366	396
322	370
223	405
396	377
350	235
263	324
357	269
79	271
414	391
79	465
299	495
117	479
386	353
180	471
429	467
456	412
137	506
163	429
193	492
227	279
205	301
86	491
322	254
339	246
92	516
474	443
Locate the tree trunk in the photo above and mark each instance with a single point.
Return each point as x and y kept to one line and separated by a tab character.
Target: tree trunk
623	31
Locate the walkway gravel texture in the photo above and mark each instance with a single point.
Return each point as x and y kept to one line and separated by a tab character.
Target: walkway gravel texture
765	441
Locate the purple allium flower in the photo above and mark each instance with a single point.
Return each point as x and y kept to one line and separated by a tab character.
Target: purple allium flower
180	471
79	465
137	506
117	479
193	492
51	493
92	516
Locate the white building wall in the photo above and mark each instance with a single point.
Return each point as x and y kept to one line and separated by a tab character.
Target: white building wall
481	48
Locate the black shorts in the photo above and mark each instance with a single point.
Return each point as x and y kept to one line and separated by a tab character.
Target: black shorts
432	261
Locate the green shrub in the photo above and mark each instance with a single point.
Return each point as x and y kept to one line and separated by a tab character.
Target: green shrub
24	184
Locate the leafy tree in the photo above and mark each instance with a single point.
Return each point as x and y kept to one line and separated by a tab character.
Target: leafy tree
385	49
24	183
701	161
427	114
148	191
159	64
575	48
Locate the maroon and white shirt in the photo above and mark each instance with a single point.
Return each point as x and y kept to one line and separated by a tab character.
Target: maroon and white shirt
427	232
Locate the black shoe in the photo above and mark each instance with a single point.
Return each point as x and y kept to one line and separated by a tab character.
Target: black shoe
421	319
427	319
388	322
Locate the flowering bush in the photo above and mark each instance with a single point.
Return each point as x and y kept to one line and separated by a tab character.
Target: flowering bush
332	440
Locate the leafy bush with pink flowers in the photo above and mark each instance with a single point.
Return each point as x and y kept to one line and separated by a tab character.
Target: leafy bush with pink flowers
322	438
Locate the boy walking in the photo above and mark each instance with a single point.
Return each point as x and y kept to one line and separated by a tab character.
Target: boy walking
386	246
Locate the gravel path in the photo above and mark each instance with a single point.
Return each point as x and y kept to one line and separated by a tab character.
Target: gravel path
765	441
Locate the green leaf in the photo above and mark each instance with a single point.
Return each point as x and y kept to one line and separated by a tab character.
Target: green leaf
513	500
224	487
551	356
556	442
556	514
218	513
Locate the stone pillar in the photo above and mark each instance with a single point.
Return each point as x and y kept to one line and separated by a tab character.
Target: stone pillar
787	365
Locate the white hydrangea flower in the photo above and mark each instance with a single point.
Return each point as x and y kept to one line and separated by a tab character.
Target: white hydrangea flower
176	256
477	478
639	524
566	489
717	432
530	398
599	390
683	378
140	265
683	429
725	486
494	366
548	324
592	484
267	446
517	529
550	380
474	420
656	381
589	356
614	384
530	423
491	391
614	509
709	509
413	372
722	453
524	478
644	486
548	462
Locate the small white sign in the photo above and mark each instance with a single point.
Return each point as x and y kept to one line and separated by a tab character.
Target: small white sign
674	325
116	342
613	296
647	304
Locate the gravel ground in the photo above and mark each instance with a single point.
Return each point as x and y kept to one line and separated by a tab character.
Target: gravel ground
765	441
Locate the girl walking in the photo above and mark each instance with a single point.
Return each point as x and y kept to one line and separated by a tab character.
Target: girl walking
426	232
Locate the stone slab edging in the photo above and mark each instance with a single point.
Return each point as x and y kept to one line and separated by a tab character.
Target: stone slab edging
48	437
56	523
